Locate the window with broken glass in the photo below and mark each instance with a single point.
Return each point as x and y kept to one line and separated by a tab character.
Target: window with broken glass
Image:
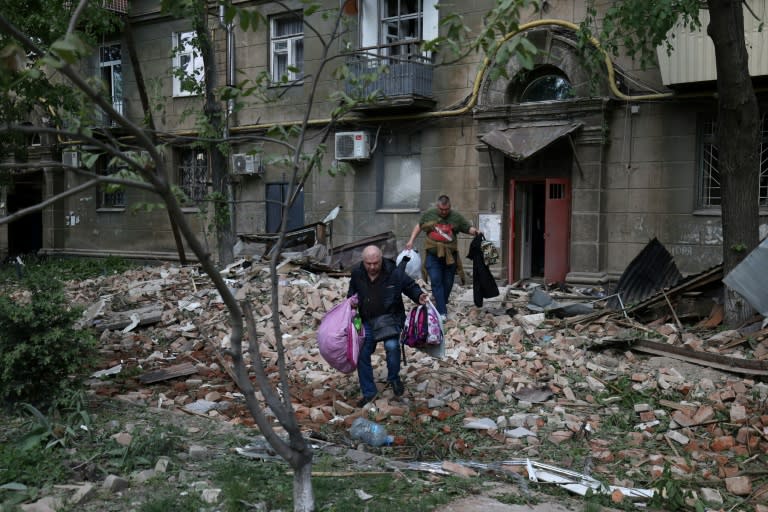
401	26
398	167
193	174
710	189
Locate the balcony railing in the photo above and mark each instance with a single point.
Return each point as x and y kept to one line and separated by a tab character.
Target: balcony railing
399	74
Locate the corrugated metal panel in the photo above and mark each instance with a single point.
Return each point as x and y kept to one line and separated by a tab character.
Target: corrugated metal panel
651	270
749	278
693	58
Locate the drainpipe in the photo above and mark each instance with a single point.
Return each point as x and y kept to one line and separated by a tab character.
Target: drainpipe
230	72
484	67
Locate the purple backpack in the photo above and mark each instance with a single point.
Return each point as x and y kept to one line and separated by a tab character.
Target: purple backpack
422	327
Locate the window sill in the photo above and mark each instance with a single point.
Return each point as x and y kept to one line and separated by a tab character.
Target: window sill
277	85
707	212
398	210
716	212
111	209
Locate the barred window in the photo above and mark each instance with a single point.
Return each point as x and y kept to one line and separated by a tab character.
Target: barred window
193	173
110	196
710	193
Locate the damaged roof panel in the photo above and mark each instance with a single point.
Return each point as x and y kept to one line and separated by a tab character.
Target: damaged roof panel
653	269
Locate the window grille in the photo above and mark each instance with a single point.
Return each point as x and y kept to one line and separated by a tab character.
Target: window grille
711	189
193	174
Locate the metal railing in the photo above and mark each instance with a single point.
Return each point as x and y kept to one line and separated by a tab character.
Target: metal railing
399	69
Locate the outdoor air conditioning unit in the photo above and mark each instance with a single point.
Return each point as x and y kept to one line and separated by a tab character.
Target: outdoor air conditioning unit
352	146
243	163
71	158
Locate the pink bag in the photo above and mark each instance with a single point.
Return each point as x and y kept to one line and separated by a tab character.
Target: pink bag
337	337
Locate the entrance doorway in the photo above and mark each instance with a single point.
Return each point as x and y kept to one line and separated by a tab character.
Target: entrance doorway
539	211
25	235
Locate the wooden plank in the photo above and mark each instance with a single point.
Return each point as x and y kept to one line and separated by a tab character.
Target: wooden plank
120	319
171	372
729	364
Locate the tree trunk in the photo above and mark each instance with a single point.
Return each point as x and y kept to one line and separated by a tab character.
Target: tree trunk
218	163
303	495
738	139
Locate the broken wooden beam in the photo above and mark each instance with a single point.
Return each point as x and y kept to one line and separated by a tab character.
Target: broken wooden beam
729	364
171	372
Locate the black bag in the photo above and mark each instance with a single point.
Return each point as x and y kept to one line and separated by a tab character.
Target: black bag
385	327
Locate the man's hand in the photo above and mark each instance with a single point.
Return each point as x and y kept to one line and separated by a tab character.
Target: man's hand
409	245
423	298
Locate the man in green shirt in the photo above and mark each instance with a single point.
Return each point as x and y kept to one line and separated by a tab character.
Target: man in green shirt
441	225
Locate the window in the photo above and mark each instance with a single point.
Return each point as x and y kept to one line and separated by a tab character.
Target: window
110	196
287	39
402	23
547	88
111	68
399	173
188	75
710	190
193	173
400	26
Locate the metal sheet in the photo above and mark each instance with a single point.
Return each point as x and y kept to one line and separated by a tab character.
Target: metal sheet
525	141
750	280
653	269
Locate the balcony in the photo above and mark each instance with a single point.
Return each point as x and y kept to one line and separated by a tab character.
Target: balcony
693	57
399	74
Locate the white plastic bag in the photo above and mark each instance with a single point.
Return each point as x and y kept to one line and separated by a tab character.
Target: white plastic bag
413	265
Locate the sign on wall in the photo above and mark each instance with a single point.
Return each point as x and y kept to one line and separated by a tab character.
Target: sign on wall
490	225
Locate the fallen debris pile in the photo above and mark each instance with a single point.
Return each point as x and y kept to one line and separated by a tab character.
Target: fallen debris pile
550	378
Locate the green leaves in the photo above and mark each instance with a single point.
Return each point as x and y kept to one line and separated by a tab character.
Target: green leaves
70	49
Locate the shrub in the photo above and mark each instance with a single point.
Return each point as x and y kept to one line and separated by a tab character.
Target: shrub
41	353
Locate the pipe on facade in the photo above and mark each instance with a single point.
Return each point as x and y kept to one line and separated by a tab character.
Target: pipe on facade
477	84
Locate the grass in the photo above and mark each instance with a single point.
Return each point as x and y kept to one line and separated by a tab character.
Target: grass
247	481
64	269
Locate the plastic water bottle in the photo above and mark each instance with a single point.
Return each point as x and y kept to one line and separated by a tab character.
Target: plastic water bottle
370	432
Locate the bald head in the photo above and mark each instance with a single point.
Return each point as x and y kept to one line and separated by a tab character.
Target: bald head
372	261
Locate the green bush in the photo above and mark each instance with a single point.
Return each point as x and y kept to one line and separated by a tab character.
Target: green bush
42	355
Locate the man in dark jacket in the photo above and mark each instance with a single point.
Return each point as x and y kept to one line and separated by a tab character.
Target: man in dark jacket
380	285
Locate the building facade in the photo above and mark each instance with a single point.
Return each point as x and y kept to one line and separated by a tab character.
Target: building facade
570	172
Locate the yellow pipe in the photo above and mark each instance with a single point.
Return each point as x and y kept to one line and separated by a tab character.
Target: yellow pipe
478	82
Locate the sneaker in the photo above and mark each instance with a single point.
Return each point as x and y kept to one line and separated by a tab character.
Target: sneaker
398	388
443	318
365	400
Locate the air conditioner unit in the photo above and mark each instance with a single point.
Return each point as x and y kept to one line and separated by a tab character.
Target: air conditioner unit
352	146
243	163
71	158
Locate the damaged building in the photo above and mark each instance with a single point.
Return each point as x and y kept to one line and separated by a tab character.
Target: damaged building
570	175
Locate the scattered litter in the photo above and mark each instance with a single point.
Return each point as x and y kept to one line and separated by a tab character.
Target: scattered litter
109	371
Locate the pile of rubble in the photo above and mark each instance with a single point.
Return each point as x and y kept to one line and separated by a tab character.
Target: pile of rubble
551	378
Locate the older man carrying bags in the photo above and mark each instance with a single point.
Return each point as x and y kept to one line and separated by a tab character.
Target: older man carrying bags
380	286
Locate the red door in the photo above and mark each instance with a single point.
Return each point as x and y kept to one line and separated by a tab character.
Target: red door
511	230
557	229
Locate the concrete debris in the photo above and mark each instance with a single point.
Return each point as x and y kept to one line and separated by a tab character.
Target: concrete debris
536	372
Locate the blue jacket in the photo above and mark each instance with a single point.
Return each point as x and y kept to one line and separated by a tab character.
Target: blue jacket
395	283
